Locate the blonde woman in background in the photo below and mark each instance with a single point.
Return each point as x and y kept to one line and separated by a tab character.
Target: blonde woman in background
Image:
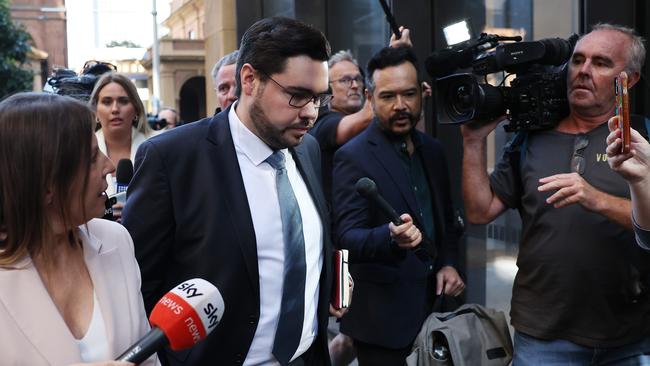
122	122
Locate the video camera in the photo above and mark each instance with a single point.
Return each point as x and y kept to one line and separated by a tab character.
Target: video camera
155	122
537	97
67	82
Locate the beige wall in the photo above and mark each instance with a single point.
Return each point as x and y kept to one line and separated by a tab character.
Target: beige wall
220	39
180	59
555	18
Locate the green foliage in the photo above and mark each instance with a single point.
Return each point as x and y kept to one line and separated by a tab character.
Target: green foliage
126	43
14	45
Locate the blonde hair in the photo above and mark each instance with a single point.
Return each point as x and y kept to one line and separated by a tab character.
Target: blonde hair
112	77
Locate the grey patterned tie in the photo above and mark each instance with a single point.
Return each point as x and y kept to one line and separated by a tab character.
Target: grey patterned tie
288	334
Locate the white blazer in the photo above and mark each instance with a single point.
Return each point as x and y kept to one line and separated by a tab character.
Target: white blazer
32	331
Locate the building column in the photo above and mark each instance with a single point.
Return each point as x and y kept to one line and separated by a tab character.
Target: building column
220	39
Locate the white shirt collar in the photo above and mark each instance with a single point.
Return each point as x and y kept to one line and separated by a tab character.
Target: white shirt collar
246	141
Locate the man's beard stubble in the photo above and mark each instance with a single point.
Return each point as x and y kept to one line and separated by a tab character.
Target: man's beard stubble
266	131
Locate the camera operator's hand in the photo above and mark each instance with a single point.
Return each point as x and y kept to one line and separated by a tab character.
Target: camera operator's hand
477	131
571	188
404	40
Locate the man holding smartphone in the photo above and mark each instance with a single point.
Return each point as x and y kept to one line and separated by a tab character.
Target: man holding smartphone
575	297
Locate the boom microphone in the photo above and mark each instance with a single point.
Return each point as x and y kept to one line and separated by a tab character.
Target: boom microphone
445	62
368	189
180	319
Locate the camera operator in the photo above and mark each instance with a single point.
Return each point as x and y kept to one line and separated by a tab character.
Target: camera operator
634	167
574	299
170	116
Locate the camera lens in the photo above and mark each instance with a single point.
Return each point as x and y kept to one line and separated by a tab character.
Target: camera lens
461	100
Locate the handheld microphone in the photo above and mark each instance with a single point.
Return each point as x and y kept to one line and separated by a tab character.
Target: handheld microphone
123	175
368	189
181	318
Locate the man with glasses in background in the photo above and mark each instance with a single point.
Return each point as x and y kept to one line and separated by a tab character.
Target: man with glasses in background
347	114
577	297
236	199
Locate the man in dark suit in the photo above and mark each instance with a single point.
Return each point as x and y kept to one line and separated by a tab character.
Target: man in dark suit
209	200
395	269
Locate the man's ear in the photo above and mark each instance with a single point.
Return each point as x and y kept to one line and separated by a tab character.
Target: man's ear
248	77
633	79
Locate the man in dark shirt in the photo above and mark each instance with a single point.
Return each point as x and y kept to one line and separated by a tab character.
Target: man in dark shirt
576	297
346	115
395	270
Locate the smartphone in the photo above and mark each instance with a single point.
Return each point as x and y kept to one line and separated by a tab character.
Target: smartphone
623	110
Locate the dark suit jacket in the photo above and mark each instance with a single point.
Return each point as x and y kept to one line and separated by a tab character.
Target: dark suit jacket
394	288
189	216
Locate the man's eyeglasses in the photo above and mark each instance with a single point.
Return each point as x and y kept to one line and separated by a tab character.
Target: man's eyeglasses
578	160
300	99
347	81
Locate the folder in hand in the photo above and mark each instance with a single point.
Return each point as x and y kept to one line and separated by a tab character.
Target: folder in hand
341	290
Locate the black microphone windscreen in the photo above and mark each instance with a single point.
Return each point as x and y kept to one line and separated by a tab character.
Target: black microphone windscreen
366	187
445	62
557	51
124	171
440	63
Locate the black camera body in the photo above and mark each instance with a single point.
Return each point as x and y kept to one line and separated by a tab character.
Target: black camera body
536	99
156	123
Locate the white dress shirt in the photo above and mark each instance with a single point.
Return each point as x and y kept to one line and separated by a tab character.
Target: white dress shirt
259	182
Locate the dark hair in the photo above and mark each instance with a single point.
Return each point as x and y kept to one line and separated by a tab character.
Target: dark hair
269	42
45	144
387	57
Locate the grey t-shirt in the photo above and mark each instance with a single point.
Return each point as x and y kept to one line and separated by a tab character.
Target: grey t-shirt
574	268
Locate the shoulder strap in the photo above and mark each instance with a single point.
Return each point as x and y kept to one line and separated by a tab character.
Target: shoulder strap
516	149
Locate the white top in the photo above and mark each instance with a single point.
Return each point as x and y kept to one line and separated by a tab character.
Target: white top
259	182
137	138
94	345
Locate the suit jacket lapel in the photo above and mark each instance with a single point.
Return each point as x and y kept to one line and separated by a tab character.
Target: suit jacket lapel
27	301
385	153
224	159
